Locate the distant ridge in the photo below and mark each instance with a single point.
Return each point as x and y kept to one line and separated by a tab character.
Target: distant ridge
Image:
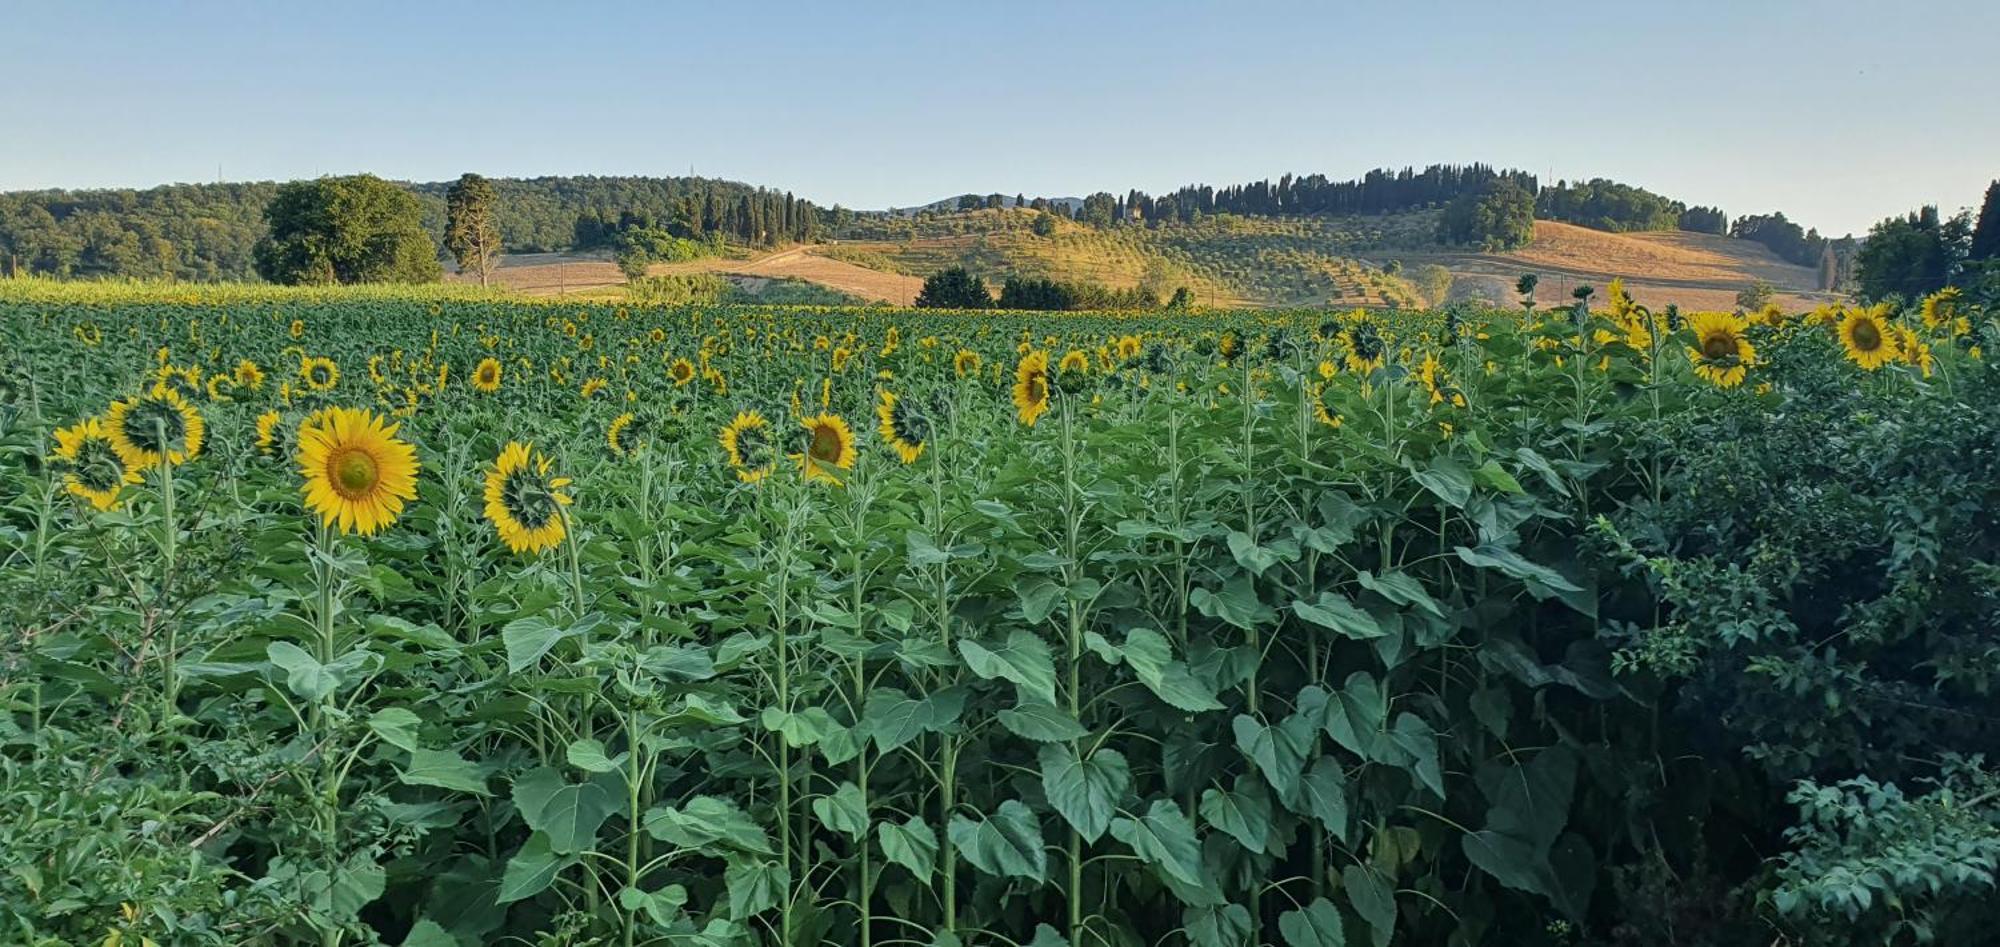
949	204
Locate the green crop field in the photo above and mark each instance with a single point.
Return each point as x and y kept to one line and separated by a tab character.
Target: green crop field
444	618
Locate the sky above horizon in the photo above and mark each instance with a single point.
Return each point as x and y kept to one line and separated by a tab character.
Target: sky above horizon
1838	113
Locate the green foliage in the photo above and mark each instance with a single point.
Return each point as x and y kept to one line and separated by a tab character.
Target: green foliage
470	232
1500	216
1872	863
1788	240
1608	205
357	229
954	288
208	231
1985	241
1912	256
1756	296
639	248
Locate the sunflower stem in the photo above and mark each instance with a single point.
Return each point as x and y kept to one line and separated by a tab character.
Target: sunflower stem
169	535
575	563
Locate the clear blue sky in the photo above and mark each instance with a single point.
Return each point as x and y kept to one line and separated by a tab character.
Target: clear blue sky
1837	112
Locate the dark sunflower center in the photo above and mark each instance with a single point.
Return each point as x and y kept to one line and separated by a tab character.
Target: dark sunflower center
1867	337
1038	388
1718	346
320	376
529	500
353	472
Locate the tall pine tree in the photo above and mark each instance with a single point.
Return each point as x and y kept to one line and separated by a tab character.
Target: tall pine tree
470	232
1986	234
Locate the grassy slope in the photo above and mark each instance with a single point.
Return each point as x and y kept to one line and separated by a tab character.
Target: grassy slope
1228	261
1696	271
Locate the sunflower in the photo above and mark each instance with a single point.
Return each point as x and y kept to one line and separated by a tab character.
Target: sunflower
1915	350
221	387
591	387
681	371
965	363
248	376
829	446
92	467
357	472
1321	412
523	502
1365	349
746	440
88	334
158	426
902	427
1868	339
1031	386
298	329
319	373
184	381
1942	308
1721	354
272	434
486	376
624	436
840	357
1128	347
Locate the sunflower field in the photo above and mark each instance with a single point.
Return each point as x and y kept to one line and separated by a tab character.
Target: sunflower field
437	618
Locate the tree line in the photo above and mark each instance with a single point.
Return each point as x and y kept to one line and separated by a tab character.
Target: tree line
210	232
1484	205
959	288
1910	256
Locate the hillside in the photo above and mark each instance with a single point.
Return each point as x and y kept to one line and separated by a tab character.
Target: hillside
1228	260
1694	271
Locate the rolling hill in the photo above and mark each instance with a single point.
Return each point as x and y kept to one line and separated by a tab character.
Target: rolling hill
1229	260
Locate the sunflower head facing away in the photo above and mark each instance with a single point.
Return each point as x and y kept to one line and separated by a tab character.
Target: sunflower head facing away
1031	386
523	502
1073	372
903	428
319	373
486	376
273	439
746	442
1366	350
966	363
625	436
155	427
92	468
1720	354
358	474
828	447
1866	337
